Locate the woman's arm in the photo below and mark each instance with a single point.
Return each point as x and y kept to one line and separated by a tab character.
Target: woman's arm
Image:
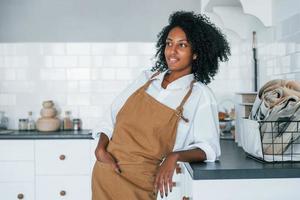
163	180
103	156
102	142
193	155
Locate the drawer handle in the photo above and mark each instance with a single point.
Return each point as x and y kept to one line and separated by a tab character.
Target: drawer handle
62	157
178	169
185	198
20	196
63	193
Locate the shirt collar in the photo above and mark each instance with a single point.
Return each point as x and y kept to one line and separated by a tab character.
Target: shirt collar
181	83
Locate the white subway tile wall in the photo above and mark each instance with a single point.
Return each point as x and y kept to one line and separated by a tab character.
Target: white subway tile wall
86	77
81	77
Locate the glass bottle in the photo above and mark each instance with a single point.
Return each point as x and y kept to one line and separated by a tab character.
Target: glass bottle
31	122
23	124
67	123
77	124
3	120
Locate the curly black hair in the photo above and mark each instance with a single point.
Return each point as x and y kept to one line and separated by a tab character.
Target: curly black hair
207	41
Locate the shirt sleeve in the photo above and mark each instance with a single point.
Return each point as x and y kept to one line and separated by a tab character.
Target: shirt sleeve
107	123
205	129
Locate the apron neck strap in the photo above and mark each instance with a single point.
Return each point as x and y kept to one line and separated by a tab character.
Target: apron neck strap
180	107
145	87
188	94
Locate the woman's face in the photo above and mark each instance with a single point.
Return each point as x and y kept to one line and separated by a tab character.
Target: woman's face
178	51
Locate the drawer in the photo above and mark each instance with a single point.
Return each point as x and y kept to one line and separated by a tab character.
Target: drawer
16	171
63	187
62	157
15	191
16	150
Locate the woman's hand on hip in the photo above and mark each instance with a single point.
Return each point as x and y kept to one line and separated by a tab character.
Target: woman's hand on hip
163	180
103	156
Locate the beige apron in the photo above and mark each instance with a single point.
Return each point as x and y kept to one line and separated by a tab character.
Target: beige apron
144	133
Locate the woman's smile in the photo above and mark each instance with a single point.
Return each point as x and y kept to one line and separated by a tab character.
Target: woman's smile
173	60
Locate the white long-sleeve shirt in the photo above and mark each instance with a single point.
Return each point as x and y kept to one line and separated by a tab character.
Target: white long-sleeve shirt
202	130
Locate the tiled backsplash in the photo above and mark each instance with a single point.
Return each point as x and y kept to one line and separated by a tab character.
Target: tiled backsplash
279	60
81	77
86	77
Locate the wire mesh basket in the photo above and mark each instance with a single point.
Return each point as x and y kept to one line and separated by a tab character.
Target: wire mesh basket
280	140
272	141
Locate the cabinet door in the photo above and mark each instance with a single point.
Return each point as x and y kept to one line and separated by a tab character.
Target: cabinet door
16	150
14	171
17	190
187	182
63	187
62	157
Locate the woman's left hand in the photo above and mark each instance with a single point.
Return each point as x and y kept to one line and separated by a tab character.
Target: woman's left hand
163	180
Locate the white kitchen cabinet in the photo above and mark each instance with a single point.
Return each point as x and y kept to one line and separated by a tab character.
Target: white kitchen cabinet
188	191
237	189
17	190
16	169
246	189
63	187
62	157
49	169
63	169
16	150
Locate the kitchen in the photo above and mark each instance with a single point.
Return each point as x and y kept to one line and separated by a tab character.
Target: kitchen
81	55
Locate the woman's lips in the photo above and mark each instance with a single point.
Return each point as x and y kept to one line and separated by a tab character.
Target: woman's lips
173	60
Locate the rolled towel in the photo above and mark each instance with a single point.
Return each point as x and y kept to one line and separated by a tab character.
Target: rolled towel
277	83
279	129
271	94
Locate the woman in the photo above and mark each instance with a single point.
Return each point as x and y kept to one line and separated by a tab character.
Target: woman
166	115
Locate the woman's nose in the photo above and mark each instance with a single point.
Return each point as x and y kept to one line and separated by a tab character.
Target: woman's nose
173	49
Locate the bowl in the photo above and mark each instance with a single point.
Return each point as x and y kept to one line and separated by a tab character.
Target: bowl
48	112
47	124
48	104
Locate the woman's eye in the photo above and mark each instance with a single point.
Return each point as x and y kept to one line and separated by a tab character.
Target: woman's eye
182	45
168	44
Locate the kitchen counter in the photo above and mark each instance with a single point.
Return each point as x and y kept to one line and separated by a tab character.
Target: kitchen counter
82	134
234	164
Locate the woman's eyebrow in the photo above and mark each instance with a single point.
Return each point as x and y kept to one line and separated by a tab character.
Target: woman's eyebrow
182	40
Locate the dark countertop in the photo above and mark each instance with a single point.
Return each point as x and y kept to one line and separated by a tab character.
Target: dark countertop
82	134
234	164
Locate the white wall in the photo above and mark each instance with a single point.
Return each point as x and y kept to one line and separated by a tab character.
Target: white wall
279	46
86	20
284	9
81	77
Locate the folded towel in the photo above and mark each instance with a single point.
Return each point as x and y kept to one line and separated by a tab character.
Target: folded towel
277	83
277	107
280	128
271	94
